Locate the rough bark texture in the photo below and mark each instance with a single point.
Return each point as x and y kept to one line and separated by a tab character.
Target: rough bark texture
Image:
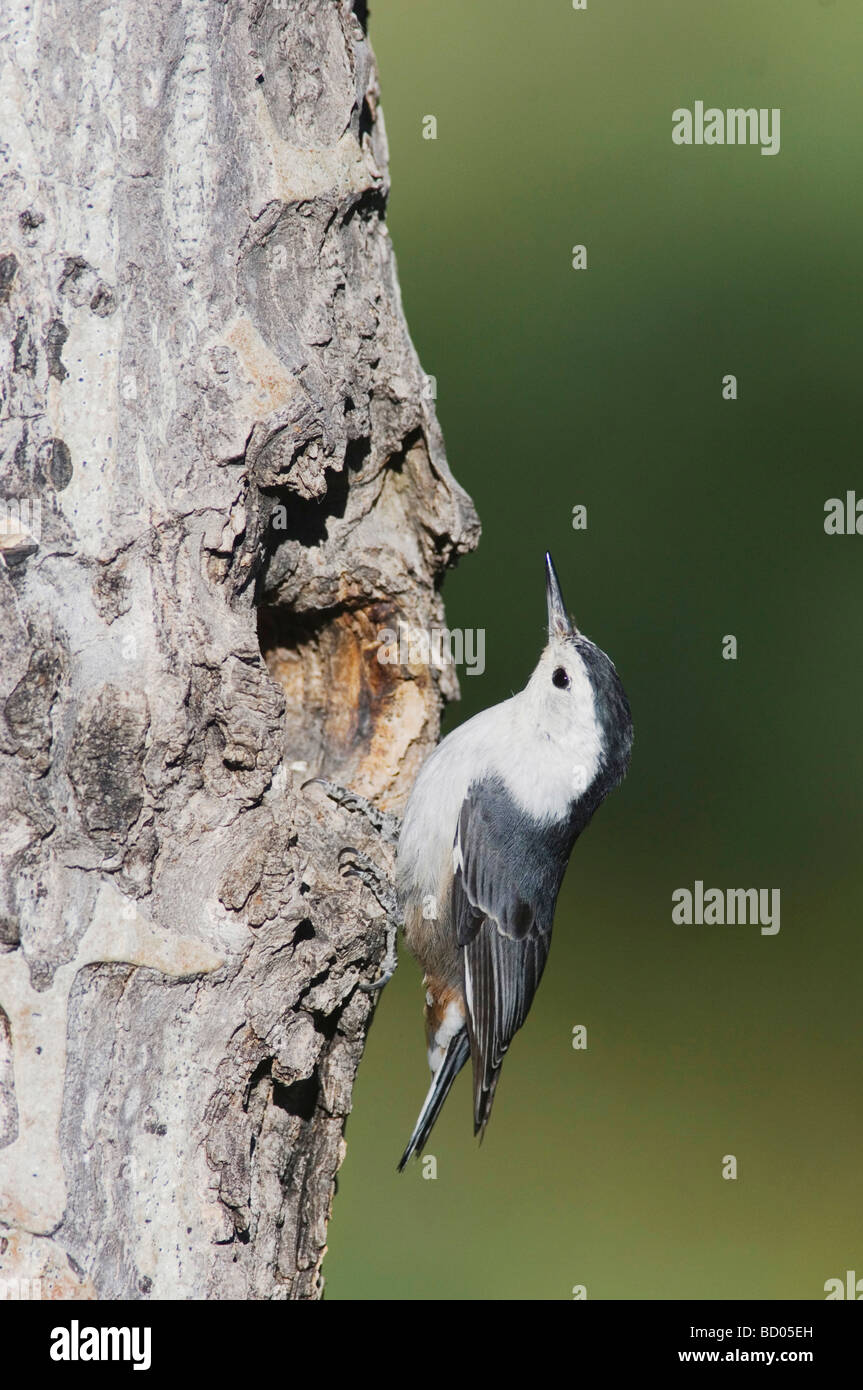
210	394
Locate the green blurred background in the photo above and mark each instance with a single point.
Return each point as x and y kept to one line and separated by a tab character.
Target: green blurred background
705	517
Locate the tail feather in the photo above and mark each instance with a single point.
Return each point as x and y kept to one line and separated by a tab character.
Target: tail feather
483	1101
456	1055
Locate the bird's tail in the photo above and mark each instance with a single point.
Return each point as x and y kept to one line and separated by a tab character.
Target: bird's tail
483	1101
456	1055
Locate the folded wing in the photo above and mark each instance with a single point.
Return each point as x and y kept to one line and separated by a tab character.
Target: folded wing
507	874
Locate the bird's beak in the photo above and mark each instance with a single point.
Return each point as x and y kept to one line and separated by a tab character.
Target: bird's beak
559	624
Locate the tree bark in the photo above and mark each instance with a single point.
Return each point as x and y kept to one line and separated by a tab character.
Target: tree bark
223	478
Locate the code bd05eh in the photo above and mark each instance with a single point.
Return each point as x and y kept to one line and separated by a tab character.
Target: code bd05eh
719	1334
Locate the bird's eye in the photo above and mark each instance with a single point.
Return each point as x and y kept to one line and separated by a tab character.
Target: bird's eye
560	679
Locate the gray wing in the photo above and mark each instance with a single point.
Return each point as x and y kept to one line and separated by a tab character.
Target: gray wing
507	874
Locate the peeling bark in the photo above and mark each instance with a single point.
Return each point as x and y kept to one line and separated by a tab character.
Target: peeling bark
222	477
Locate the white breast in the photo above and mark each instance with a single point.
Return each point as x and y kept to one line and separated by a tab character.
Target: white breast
545	747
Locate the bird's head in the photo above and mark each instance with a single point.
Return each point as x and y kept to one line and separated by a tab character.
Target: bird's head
575	699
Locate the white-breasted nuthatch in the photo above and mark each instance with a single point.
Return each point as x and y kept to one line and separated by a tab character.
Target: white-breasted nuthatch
484	845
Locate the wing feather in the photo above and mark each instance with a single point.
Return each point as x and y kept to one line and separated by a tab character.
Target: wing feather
507	874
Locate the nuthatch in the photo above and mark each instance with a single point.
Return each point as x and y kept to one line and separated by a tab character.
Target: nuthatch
484	845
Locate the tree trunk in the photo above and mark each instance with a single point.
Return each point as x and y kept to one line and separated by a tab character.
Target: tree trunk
223	479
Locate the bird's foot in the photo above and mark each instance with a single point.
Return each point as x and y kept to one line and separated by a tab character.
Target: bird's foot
388	965
365	869
386	824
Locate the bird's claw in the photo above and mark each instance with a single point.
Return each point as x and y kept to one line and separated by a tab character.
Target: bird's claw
382	822
368	872
390	962
349	870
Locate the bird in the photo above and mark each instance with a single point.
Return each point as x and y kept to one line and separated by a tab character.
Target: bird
483	847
